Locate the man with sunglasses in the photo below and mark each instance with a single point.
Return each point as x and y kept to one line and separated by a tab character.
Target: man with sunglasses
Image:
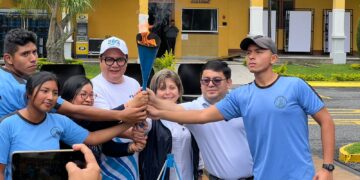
223	145
112	89
275	111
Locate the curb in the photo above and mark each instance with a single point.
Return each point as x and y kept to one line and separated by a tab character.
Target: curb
346	157
341	84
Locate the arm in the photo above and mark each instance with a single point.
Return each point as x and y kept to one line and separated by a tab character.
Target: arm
116	149
96	114
2	171
326	123
92	170
210	114
104	135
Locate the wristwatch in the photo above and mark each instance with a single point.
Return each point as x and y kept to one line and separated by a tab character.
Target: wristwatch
329	167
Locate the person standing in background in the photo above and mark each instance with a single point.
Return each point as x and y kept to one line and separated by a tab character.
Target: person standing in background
171	32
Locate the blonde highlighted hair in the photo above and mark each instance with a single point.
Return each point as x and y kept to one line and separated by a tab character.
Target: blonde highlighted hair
158	81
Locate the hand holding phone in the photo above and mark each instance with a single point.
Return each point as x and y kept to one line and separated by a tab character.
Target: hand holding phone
91	170
48	164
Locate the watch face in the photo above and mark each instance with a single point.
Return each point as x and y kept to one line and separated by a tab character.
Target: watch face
329	167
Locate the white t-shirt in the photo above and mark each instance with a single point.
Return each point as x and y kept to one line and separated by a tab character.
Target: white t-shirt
182	150
223	145
110	96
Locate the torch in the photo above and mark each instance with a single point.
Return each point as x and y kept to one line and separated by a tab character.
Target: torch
148	44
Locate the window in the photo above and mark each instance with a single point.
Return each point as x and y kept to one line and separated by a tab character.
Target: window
200	20
281	6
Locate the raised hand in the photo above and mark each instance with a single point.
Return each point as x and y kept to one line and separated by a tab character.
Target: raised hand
152	97
141	98
153	113
135	114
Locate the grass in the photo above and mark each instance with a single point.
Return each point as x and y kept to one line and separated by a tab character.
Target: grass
91	70
324	69
353	149
321	72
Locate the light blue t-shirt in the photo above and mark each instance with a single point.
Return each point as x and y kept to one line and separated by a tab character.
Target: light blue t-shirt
19	134
12	93
276	125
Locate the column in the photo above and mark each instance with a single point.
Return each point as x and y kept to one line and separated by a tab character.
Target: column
338	33
256	17
68	43
143	16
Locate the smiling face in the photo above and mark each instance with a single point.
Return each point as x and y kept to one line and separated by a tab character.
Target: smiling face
85	96
168	90
113	73
44	96
23	61
211	92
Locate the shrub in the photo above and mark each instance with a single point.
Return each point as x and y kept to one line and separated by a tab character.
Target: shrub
346	77
42	61
282	69
166	61
355	66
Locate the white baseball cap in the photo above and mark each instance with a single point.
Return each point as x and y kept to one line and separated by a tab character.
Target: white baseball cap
113	42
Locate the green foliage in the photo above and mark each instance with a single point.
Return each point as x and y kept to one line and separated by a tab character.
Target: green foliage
320	72
281	69
166	61
353	149
311	77
42	61
244	63
346	77
358	37
91	70
355	66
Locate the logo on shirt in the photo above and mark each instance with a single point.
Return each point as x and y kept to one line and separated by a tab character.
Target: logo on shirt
280	102
55	132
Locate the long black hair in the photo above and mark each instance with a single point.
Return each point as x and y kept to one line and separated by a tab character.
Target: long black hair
73	85
38	79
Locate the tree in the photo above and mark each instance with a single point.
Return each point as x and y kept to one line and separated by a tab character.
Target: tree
58	28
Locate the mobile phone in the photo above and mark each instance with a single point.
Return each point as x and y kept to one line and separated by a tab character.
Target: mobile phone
44	164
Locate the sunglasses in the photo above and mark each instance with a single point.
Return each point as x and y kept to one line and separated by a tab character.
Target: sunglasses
215	81
121	61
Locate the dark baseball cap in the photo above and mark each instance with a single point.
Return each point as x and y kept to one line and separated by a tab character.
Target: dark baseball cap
261	41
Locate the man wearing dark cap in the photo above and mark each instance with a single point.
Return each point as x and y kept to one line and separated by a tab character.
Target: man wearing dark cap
274	110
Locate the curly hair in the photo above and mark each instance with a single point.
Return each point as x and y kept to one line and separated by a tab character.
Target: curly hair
18	37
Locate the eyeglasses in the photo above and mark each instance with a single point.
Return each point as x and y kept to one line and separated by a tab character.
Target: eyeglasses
215	81
84	96
121	61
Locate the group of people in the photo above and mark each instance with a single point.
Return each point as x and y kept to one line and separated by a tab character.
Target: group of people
257	131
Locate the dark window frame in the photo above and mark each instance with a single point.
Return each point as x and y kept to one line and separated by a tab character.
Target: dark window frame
279	6
211	29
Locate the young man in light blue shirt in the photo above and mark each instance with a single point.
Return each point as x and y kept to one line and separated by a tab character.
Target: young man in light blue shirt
274	110
20	57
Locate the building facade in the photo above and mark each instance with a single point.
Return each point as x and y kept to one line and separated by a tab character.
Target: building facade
214	28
